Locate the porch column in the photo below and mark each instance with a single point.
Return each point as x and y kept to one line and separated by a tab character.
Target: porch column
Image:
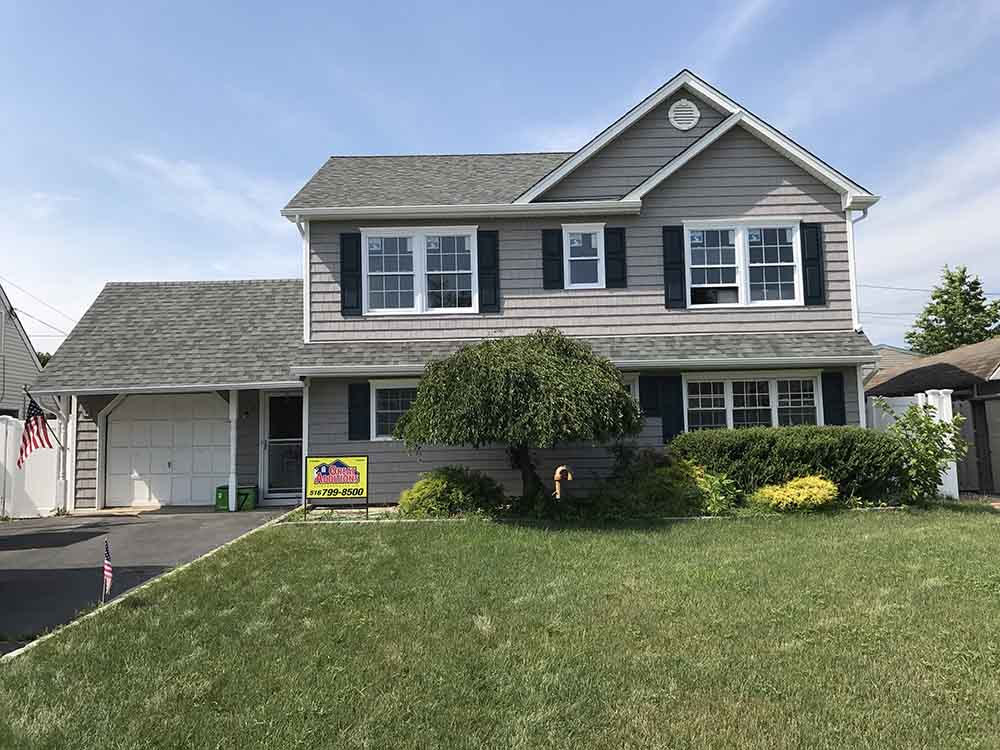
234	413
305	435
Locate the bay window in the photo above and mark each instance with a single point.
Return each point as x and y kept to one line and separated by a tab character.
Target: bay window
717	400
743	262
420	270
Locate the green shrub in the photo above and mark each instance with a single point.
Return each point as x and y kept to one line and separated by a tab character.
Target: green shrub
650	484
927	447
804	493
718	493
448	491
862	463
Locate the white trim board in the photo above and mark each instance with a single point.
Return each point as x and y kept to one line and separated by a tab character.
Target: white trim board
107	390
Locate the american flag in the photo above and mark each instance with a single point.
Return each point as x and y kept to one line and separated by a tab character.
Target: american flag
36	432
107	568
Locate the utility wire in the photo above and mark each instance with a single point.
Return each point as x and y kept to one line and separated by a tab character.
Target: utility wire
912	289
37	299
39	320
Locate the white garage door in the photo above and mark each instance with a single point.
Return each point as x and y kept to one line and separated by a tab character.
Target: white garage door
167	450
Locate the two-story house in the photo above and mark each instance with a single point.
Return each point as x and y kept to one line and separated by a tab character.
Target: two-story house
705	253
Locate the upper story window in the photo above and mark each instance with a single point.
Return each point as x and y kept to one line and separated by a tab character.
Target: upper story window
583	256
744	263
419	270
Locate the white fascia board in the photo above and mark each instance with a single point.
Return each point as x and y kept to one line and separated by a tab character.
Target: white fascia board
684	78
476	210
5	306
153	389
995	375
685	156
416	368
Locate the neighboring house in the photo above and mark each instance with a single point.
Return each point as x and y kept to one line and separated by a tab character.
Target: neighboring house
889	357
19	365
973	373
706	254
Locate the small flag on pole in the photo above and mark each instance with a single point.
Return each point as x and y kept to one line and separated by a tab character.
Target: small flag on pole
36	432
107	570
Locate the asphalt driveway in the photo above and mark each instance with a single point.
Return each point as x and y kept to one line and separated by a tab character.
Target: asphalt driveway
50	568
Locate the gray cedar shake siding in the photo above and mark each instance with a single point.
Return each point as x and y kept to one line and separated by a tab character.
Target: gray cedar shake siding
738	176
635	155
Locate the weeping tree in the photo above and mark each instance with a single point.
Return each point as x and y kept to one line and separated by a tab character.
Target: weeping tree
524	392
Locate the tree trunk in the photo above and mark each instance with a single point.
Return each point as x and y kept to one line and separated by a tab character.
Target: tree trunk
520	458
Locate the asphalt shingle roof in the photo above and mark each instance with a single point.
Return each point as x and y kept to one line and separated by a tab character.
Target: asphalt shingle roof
215	333
959	368
460	179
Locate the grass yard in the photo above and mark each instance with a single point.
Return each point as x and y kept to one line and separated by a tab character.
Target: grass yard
855	630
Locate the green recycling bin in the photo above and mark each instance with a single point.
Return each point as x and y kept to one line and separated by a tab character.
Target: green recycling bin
246	497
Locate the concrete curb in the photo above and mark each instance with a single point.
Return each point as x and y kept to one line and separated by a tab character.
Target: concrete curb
141	587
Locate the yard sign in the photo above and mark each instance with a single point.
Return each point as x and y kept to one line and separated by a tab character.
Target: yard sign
336	477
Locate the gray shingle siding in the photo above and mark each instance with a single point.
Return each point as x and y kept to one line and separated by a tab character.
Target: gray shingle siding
85	478
18	366
738	176
635	155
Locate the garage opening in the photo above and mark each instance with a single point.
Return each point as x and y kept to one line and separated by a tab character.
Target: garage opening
167	450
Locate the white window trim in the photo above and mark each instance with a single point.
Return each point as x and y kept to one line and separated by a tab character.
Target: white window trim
741	226
598	229
418	243
631	380
772	376
374	385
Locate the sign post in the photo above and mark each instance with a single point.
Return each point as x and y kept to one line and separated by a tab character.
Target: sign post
336	478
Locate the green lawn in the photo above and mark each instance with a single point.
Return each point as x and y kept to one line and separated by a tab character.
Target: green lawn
856	630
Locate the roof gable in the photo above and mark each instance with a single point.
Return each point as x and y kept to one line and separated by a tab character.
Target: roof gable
853	194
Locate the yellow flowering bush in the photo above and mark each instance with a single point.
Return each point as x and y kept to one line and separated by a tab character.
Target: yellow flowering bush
805	493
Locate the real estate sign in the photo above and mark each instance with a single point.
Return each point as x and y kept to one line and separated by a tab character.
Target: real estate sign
336	477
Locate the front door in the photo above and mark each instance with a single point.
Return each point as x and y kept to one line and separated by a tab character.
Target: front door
282	462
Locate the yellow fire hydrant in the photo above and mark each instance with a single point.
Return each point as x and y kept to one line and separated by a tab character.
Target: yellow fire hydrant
562	474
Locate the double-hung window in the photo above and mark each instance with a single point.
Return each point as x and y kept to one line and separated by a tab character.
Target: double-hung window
420	270
715	400
390	399
583	256
743	262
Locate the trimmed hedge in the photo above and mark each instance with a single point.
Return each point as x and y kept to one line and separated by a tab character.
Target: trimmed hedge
449	490
863	463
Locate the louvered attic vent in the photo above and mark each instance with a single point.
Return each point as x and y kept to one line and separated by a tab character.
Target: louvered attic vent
683	114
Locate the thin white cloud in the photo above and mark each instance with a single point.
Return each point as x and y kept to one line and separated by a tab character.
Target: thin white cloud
938	212
211	192
888	52
724	35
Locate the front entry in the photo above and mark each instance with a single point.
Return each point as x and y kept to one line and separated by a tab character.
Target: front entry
281	459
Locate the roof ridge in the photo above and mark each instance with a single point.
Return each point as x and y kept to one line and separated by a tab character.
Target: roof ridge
432	156
204	282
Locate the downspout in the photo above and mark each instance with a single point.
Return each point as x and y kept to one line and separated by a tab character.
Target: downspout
852	266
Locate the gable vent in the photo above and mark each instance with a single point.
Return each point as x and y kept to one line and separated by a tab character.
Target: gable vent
683	114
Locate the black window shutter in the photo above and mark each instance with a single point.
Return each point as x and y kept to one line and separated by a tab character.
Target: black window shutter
358	411
661	396
834	408
350	273
488	243
671	406
615	267
649	395
552	259
812	263
674	285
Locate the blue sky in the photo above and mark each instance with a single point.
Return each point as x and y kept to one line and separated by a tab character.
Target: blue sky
146	141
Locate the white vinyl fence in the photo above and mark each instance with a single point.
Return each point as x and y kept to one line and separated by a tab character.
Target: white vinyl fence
30	491
941	401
